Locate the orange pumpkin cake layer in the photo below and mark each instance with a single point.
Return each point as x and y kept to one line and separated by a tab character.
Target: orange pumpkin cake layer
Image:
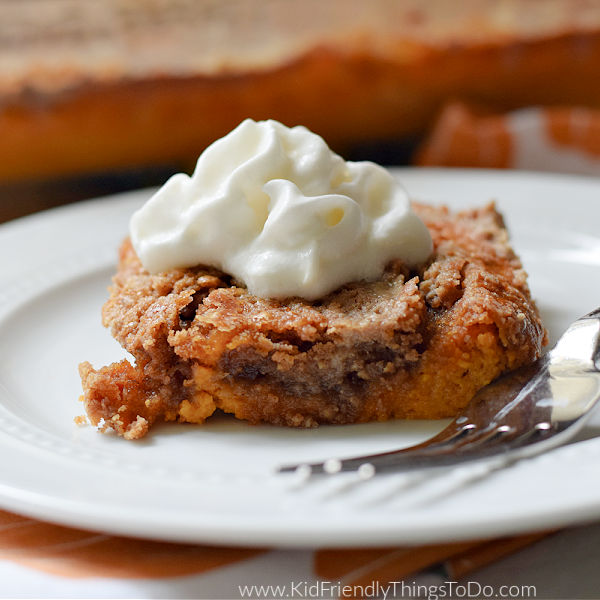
414	345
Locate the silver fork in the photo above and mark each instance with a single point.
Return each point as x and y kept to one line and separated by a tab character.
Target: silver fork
523	413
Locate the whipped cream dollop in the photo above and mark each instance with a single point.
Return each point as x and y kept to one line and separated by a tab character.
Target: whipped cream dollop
277	209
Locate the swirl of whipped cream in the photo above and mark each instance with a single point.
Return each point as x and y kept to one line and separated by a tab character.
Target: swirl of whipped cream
277	209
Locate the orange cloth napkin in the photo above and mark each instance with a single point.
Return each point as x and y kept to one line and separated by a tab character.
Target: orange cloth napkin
67	553
559	139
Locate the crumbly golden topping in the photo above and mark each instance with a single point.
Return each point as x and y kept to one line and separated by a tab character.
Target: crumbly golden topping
471	294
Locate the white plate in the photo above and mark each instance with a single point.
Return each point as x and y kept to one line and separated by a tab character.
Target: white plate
215	483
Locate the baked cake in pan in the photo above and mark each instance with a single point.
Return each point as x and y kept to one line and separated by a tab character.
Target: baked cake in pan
95	86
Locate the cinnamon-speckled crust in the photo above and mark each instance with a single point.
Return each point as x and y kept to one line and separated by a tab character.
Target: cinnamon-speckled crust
410	345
